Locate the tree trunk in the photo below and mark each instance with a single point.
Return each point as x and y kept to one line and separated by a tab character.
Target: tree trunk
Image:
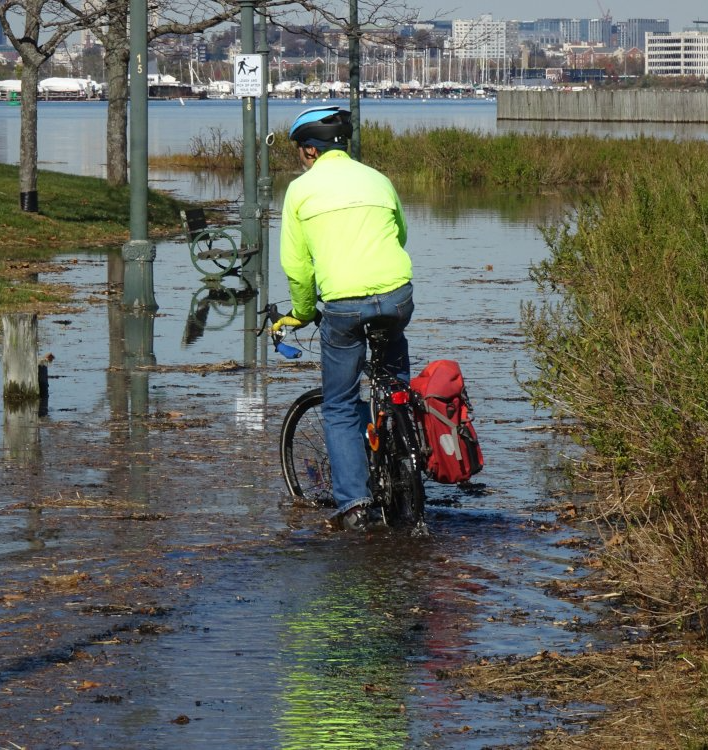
29	200
19	357
117	62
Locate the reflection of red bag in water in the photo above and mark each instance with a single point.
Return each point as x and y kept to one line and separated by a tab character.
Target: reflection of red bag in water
454	452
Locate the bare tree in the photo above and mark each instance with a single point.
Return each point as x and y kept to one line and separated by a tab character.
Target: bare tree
114	37
378	14
351	17
176	17
184	17
54	20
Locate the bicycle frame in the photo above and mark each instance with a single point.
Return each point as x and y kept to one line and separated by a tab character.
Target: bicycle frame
392	434
393	445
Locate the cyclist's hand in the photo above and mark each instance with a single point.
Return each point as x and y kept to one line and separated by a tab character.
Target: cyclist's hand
288	320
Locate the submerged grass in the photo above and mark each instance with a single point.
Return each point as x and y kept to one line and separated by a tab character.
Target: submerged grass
625	353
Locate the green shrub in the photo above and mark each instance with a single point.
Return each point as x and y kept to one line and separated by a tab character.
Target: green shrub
624	349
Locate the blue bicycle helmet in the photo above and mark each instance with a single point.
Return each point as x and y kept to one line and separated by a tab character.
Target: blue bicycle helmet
322	127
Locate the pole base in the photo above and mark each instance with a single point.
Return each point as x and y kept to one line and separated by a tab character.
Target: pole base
138	286
29	201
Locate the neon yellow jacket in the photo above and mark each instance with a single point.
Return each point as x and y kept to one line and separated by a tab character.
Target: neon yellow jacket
343	231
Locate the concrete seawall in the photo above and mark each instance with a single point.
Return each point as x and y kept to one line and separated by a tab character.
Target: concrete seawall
604	106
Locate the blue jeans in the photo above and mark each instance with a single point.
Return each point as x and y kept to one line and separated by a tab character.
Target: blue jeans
343	356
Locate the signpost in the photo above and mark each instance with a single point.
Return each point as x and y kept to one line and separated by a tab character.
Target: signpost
248	83
248	79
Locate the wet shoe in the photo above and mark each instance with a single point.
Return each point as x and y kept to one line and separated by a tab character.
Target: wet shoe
355	519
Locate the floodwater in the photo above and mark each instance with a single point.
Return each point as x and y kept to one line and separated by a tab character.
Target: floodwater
160	590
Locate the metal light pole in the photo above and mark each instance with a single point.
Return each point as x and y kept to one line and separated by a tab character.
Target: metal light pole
250	211
139	252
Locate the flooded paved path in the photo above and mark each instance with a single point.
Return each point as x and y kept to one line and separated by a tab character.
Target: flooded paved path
159	590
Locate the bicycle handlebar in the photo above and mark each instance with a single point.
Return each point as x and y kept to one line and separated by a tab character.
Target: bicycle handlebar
273	315
290	352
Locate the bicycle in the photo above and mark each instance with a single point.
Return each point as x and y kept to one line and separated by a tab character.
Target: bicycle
392	439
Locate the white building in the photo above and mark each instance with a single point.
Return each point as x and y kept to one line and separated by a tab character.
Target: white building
481	38
682	53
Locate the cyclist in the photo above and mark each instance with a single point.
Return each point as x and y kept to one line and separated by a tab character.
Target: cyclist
343	232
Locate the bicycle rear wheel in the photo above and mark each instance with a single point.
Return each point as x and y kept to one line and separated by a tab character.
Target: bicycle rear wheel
303	454
407	502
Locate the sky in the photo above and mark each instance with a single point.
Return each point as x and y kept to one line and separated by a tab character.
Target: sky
680	13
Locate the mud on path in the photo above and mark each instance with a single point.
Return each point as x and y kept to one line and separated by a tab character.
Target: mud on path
159	589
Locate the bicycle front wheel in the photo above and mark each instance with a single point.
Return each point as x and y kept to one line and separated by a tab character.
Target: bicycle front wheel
303	454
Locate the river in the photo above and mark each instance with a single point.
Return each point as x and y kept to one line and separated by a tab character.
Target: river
161	591
72	138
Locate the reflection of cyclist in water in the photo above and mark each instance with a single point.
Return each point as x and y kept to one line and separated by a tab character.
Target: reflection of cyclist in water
364	629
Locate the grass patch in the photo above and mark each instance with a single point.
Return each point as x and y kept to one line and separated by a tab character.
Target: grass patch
28	295
655	695
74	212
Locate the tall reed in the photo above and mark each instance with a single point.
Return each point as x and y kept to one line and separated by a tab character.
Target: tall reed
455	156
625	353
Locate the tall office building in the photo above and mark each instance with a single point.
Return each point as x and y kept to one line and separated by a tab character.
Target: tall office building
683	53
480	38
621	34
600	31
548	30
571	30
637	29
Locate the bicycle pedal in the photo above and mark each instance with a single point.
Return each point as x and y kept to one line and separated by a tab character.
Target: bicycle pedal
375	519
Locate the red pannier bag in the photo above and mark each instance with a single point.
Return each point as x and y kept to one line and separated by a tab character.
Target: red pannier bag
445	417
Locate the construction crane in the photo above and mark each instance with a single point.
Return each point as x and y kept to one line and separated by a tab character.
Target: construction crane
605	15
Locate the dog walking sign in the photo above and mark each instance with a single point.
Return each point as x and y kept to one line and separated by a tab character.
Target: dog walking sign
247	75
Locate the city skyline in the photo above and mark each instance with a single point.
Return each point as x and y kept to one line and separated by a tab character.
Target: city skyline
680	15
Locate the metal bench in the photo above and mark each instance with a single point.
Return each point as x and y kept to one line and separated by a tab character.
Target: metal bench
214	251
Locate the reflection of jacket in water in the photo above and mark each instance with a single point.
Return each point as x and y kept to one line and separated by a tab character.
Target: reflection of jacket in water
344	668
347	240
